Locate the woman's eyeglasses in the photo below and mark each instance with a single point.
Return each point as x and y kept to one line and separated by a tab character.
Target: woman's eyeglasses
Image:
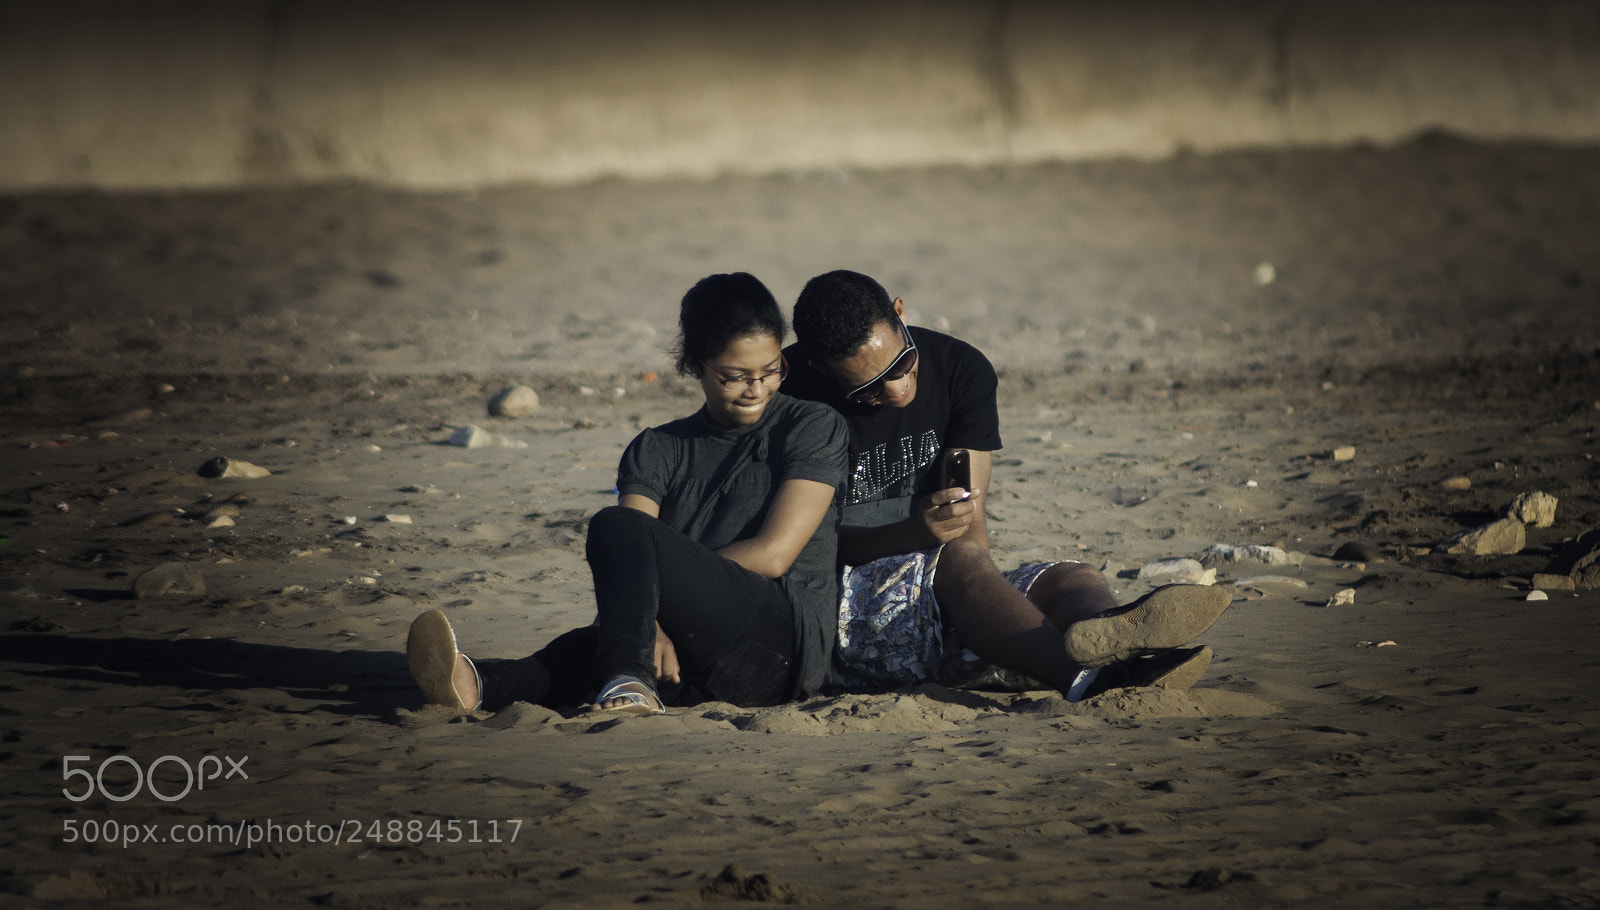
898	370
732	383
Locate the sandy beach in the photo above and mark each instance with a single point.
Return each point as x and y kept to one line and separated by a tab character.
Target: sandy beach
1291	349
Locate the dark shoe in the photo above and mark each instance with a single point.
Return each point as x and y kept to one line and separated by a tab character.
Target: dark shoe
1168	617
1179	668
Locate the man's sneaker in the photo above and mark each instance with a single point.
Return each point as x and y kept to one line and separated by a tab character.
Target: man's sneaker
431	656
1179	668
1168	617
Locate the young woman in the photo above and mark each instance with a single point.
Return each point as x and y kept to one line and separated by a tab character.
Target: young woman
714	574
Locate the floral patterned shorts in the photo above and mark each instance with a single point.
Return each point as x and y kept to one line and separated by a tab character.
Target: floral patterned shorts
890	631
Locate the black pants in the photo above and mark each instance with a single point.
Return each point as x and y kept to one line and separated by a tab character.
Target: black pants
733	630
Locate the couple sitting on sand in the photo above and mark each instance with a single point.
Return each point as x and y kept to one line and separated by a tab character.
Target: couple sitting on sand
717	575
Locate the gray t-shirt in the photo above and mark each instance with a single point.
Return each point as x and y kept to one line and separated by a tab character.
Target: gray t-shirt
717	485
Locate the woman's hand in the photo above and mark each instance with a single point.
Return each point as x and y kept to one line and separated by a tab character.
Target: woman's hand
666	657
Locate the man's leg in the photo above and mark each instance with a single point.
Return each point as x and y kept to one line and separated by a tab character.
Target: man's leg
1002	625
1077	599
1026	635
1070	592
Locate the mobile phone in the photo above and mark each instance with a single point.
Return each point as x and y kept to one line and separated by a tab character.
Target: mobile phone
958	470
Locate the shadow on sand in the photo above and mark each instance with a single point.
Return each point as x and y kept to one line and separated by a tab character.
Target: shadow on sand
358	683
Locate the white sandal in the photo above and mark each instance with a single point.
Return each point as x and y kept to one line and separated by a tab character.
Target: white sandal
628	688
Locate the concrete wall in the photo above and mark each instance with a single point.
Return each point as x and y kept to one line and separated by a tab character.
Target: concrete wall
143	94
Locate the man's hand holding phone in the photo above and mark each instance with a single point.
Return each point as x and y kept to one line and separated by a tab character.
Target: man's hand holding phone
946	514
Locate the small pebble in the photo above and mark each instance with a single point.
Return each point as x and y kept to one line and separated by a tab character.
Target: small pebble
221	521
348	520
1537	595
1347	596
1344	453
1459	482
398	519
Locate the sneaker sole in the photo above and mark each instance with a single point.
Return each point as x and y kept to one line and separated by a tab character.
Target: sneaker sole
1168	617
431	655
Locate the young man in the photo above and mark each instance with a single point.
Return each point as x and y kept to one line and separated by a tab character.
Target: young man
917	553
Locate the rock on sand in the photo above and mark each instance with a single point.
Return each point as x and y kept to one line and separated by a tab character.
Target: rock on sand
169	578
1219	553
1536	509
1497	538
471	436
1178	570
223	466
517	401
1580	560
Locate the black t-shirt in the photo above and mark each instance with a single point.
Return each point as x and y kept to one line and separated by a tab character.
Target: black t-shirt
716	486
894	452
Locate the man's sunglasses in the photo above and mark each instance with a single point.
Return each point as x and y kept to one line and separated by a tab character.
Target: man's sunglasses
902	367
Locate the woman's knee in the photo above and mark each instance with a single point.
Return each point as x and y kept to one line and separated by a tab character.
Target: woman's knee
614	523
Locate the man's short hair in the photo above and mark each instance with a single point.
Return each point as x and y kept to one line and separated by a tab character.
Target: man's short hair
836	313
